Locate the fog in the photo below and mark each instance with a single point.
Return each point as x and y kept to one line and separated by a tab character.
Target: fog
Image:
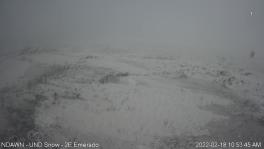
207	28
132	74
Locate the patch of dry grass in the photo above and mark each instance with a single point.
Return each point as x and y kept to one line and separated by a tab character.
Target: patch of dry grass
112	77
51	72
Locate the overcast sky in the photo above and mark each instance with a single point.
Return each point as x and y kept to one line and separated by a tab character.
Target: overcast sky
206	25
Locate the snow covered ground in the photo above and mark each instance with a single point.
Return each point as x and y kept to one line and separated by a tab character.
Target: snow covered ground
127	100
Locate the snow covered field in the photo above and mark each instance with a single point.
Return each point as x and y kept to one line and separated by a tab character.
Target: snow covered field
127	100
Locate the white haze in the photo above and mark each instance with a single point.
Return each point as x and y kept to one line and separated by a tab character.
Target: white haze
203	28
